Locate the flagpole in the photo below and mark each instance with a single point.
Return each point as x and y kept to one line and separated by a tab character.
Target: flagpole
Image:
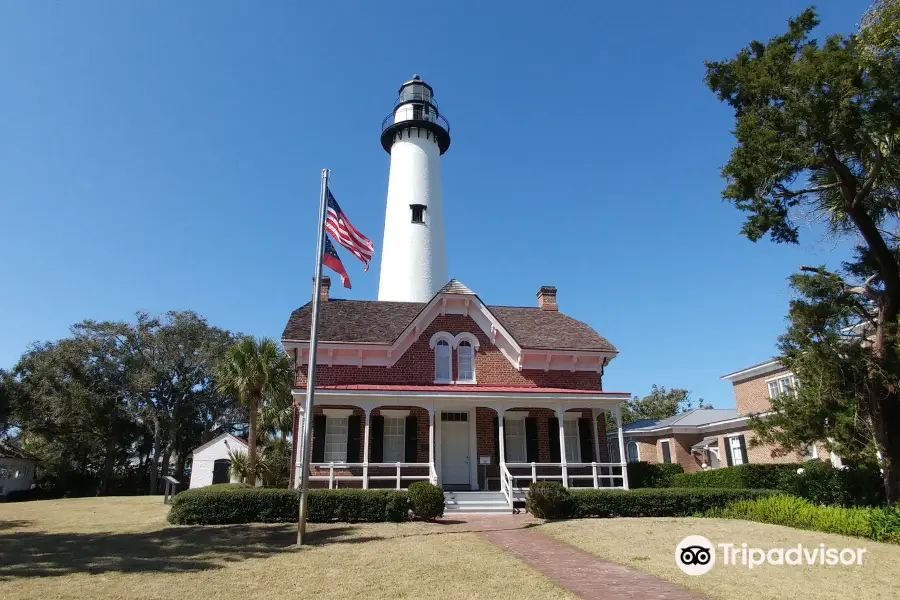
311	377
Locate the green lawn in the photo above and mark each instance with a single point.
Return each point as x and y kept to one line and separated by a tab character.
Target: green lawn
649	545
123	548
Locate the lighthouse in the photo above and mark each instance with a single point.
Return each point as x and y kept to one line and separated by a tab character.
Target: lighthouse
414	254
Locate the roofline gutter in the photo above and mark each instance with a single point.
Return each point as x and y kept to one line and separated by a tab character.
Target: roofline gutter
469	394
754	371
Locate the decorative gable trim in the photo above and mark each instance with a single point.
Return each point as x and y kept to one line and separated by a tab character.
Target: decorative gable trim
449	303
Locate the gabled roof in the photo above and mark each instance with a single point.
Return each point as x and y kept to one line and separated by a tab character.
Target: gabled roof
763	368
226	435
697	417
9	451
373	322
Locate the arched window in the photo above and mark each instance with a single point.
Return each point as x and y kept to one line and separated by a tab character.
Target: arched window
466	361
631	451
443	361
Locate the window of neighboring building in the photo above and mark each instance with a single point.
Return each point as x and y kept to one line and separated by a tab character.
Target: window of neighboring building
666	452
394	439
336	439
573	441
785	384
466	361
514	432
443	361
631	451
736	450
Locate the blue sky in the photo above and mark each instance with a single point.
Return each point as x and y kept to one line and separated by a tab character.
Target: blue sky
166	155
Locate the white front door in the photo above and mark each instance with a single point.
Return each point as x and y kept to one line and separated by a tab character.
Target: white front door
455	449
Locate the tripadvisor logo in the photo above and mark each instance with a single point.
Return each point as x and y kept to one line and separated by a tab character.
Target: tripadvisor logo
696	555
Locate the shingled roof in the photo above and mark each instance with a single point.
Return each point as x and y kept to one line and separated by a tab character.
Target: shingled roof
372	322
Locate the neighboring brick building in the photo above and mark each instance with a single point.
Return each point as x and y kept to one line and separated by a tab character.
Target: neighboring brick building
408	391
713	438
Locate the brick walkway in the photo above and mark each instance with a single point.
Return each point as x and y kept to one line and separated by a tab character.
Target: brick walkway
580	572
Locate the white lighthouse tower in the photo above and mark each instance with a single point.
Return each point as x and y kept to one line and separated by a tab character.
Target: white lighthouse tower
414	255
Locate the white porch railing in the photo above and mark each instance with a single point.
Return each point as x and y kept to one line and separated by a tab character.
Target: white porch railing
506	485
600	472
334	479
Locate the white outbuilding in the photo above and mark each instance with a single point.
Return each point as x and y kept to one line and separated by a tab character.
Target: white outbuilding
211	462
16	470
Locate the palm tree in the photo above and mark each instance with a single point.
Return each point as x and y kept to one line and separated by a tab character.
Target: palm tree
250	370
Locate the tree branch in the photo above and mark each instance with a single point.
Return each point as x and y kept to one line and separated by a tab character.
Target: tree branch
865	289
870	180
783	192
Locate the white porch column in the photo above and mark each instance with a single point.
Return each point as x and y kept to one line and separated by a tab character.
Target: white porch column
366	450
621	446
431	444
501	439
560	416
595	427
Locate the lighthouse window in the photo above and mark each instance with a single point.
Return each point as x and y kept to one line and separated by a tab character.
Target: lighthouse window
418	213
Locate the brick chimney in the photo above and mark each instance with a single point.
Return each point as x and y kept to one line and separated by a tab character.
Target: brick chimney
547	298
326	287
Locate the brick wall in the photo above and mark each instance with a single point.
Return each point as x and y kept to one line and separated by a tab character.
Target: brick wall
752	395
763	454
416	366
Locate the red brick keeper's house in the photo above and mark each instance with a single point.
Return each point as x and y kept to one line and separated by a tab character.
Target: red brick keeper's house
470	396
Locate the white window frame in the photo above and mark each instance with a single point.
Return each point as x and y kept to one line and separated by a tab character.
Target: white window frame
662	456
729	447
637	451
438	360
573	449
394	416
459	361
783	383
515	443
336	438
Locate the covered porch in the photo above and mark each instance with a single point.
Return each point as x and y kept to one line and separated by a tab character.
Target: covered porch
464	438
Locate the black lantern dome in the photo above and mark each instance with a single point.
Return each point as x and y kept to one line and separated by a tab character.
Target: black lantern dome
415	110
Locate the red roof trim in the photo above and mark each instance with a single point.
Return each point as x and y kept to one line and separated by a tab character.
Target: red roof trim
372	387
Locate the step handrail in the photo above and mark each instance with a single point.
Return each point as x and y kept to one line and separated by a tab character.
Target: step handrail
506	485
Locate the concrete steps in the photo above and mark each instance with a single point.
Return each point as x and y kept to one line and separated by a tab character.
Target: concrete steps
475	503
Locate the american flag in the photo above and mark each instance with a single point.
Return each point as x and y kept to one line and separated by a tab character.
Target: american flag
331	260
348	236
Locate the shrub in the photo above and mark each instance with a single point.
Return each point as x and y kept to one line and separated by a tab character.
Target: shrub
819	482
740	477
652	475
548	500
426	500
236	503
823	484
650	502
879	524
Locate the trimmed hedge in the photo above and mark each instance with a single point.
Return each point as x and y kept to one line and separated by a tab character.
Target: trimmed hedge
740	477
426	500
819	482
652	475
230	503
879	524
550	500
651	502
